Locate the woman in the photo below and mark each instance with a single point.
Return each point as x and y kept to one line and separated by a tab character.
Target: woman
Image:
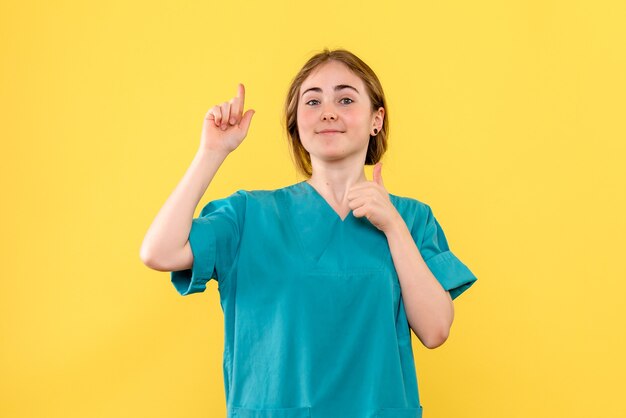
321	280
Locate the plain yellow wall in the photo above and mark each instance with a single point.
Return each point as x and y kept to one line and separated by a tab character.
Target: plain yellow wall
508	118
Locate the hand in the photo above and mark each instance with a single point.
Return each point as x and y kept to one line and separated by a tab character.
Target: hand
224	126
371	199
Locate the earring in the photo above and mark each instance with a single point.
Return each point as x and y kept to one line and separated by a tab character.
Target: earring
375	131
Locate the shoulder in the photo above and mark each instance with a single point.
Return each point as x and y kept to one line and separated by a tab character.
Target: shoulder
416	213
265	194
262	197
409	205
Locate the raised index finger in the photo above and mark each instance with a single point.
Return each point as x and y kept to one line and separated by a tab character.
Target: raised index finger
241	94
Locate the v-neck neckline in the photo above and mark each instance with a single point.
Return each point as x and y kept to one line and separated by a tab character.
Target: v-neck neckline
325	202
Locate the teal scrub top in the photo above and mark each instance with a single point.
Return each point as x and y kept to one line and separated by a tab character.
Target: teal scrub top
315	324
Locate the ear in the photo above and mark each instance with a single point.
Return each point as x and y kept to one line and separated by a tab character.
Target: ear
379	117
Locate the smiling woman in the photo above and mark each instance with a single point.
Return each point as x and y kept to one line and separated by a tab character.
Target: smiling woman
320	281
334	89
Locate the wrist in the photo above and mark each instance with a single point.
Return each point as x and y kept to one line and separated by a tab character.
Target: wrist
210	155
397	225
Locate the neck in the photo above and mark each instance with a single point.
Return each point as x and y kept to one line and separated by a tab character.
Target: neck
336	183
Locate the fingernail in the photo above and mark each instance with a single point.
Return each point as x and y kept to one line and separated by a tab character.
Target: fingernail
232	121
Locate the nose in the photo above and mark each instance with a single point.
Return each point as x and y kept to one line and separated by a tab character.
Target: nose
326	115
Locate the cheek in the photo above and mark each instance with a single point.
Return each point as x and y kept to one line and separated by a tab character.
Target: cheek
304	124
356	117
305	114
306	120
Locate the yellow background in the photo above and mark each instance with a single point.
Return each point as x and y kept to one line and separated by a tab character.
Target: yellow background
508	118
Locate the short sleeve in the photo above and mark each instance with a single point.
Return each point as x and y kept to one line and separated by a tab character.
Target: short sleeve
453	275
214	239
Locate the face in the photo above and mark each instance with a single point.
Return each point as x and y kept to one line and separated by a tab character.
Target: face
334	98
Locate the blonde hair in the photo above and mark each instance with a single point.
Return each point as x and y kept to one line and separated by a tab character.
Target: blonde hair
377	144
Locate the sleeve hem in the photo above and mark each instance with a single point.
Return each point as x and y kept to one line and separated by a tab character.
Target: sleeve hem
202	242
453	275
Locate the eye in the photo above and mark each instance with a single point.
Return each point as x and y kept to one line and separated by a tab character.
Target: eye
345	98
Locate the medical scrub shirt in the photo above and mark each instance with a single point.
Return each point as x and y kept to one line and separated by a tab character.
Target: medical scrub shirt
315	324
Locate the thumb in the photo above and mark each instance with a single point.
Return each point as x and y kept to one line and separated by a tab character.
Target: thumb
245	120
378	177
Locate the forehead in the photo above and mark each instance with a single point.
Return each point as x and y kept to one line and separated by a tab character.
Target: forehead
329	74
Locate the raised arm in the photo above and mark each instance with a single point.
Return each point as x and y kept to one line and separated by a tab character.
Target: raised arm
165	246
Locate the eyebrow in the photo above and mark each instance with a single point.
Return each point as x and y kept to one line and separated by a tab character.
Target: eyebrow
337	88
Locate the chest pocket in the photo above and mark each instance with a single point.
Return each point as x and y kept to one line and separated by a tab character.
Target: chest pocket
298	412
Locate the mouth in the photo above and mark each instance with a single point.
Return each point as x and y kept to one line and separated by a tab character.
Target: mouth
330	132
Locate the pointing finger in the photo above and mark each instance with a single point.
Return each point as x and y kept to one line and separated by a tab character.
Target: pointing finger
241	94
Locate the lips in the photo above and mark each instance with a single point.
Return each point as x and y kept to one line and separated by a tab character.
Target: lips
328	131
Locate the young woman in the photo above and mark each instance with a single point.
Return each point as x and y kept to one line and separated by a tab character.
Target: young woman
320	281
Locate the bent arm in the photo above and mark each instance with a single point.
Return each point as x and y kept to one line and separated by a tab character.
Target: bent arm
429	307
165	246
